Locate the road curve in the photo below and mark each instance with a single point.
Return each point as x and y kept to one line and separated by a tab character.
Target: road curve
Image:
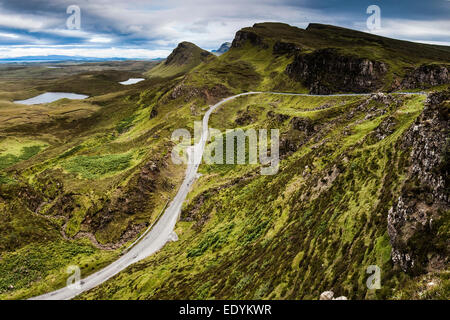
162	231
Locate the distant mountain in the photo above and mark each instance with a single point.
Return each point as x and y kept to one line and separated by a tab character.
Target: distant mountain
223	48
62	58
183	58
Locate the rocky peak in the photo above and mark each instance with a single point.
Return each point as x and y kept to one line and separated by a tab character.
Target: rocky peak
186	53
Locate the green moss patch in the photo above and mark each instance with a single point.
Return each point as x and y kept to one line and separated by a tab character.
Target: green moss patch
91	167
26	153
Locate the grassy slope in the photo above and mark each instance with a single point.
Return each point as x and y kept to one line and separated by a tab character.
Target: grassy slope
292	235
245	69
263	238
89	151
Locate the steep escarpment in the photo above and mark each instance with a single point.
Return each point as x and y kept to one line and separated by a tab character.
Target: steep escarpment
327	71
243	36
282	47
418	220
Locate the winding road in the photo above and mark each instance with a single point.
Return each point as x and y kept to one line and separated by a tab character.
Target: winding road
163	230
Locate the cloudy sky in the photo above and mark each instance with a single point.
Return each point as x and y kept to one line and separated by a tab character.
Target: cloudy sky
152	28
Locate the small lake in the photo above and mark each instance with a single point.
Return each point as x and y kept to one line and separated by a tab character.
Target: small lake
51	96
132	81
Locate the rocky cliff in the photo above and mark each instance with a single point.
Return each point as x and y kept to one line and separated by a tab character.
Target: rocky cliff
326	71
327	59
243	36
418	220
282	47
426	75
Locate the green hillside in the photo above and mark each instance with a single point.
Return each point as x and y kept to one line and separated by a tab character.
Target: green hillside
314	226
363	180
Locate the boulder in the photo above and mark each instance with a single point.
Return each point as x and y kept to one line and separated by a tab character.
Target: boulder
326	295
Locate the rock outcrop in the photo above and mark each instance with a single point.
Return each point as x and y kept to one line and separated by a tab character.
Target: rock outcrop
416	222
425	76
303	124
242	36
281	47
326	295
210	94
326	71
301	130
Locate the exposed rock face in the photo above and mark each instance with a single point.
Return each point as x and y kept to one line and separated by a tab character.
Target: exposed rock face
281	47
426	76
211	94
417	217
302	124
153	113
278	117
244	118
386	128
302	129
326	71
243	36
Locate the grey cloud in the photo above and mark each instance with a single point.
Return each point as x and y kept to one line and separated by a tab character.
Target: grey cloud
162	24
